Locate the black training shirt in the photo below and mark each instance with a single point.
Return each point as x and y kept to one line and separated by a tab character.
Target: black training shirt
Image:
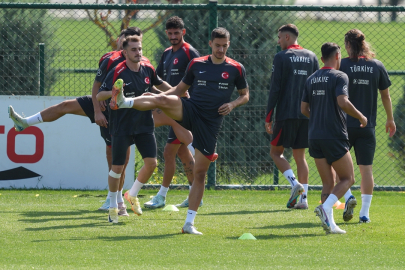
125	122
327	120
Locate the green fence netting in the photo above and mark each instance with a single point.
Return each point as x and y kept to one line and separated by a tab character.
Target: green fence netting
75	36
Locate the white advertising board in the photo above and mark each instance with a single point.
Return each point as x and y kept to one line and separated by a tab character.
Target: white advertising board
68	153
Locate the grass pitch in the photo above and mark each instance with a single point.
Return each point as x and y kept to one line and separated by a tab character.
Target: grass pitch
63	230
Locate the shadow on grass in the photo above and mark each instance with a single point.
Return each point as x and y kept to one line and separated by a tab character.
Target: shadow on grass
34	214
290	226
113	238
246	212
276	236
64	227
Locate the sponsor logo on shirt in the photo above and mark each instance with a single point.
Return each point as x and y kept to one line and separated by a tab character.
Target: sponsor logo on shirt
175	61
99	72
223	86
128	83
300	72
203	83
360	81
147	80
225	75
318	92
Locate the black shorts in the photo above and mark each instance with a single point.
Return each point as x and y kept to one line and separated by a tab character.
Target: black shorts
363	141
86	102
332	150
204	135
172	138
291	133
145	143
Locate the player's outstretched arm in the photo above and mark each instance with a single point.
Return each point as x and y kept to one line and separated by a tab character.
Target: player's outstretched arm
348	108
178	90
242	99
104	95
305	109
386	101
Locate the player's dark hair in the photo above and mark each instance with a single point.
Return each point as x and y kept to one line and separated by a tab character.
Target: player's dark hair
329	49
289	28
129	39
131	31
358	45
174	22
220	32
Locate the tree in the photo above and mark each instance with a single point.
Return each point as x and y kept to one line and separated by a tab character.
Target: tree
21	30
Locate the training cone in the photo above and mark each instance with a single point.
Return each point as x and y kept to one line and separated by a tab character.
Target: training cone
339	205
171	207
247	236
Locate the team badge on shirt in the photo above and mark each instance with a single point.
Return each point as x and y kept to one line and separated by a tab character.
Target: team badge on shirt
147	80
175	61
225	75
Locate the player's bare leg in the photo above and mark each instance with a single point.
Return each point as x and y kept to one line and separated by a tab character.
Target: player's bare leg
276	153
201	166
55	112
113	185
344	169
302	172
143	176
366	187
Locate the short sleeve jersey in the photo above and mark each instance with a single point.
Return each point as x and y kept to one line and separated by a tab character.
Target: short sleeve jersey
173	65
365	77
327	120
290	70
125	122
213	85
110	60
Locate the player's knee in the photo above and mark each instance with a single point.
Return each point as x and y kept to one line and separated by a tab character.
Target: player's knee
65	106
169	153
162	101
150	164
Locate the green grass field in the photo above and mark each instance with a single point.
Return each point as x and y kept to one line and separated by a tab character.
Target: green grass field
62	230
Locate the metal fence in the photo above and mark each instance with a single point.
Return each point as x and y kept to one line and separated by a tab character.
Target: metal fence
74	37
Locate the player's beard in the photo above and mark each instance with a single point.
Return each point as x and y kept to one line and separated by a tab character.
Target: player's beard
221	56
174	41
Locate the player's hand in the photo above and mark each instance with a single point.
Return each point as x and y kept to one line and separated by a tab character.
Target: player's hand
391	127
100	119
148	94
103	105
186	94
268	127
225	109
363	121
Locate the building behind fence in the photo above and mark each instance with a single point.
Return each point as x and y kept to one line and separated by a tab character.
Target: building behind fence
66	62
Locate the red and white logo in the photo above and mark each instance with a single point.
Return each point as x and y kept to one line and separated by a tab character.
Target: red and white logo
147	80
225	75
175	61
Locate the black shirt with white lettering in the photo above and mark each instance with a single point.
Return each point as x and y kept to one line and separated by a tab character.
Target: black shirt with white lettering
130	121
365	77
327	120
291	68
213	85
110	60
173	65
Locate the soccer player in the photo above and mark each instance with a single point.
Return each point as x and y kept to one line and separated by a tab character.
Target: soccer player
171	69
213	78
366	76
325	102
131	126
86	106
291	68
